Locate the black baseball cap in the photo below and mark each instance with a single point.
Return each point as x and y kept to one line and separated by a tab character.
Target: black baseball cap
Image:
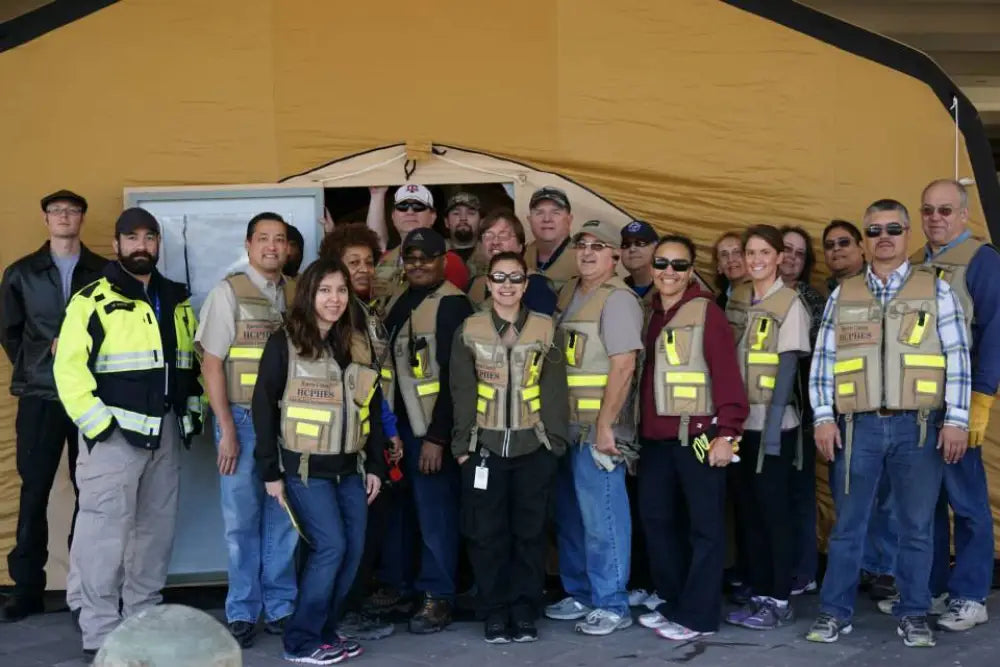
639	229
554	195
425	240
67	195
135	218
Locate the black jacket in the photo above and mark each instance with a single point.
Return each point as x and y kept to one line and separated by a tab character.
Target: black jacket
31	312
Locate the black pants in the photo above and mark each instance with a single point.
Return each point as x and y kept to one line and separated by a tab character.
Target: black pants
504	526
686	553
640	576
42	427
803	506
771	534
375	529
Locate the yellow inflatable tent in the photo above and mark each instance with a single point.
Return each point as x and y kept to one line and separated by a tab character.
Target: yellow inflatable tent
700	116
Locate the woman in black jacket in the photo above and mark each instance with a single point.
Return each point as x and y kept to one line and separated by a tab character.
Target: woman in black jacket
316	412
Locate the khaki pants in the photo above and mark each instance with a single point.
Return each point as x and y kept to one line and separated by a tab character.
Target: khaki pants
125	529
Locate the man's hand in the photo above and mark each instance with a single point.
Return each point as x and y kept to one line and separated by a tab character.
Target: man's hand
327	221
396	451
229	451
720	453
430	458
604	441
377	191
827	436
55	344
276	490
372	486
953	442
462	459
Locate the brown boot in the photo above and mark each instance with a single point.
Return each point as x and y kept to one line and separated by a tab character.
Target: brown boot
433	616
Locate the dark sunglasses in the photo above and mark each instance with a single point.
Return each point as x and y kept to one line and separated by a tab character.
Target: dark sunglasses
414	206
680	265
637	243
892	229
928	210
414	260
842	242
499	277
596	246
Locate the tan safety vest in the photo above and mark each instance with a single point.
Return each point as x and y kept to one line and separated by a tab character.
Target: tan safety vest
560	272
390	279
952	266
587	362
756	326
417	369
681	384
256	319
508	395
326	409
888	358
378	339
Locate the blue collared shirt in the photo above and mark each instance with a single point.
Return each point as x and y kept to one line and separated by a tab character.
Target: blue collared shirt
950	329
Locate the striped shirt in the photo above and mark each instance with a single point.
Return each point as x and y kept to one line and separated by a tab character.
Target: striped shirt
951	331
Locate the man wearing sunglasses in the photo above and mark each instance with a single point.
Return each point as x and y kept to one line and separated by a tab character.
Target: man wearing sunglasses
845	257
638	242
602	321
550	217
422	321
892	359
413	208
971	268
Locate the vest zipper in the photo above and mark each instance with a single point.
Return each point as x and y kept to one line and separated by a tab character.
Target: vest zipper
343	411
510	397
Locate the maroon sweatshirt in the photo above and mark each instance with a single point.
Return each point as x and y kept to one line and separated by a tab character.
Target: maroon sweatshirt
728	392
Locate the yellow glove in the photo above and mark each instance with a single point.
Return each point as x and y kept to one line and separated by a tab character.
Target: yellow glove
979	416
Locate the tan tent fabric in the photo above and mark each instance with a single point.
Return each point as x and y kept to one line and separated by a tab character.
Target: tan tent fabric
696	116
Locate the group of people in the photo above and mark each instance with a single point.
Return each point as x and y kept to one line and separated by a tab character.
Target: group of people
384	408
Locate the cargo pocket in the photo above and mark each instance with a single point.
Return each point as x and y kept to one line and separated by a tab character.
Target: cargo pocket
307	428
850	385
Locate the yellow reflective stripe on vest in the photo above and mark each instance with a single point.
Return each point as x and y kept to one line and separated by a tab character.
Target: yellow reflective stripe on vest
762	358
588	404
587	380
923	360
917	334
311	430
194	404
385	373
309	414
670	349
535	368
849	365
535	404
92	417
766	381
845	389
530	392
127	361
185	359
254	353
760	336
486	391
680	391
428	388
678	377
134	421
926	387
481	406
571	348
248	379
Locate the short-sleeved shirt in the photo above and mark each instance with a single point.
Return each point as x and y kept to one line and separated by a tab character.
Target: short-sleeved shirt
217	321
793	336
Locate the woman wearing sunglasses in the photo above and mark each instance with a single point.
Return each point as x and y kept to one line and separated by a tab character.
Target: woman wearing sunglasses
508	384
771	325
316	411
692	408
502	231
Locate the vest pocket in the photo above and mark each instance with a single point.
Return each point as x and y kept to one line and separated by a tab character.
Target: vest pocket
677	346
242	377
308	429
915	326
850	387
687	393
762	367
576	346
923	381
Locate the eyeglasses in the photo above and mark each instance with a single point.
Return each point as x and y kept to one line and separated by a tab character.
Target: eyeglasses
944	211
414	206
596	246
419	260
71	211
499	277
680	265
842	242
635	242
503	237
795	252
892	229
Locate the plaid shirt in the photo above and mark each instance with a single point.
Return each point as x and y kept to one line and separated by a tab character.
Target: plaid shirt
951	331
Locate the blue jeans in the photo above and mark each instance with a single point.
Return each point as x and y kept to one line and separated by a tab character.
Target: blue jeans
436	499
965	490
259	536
889	443
593	531
882	540
332	514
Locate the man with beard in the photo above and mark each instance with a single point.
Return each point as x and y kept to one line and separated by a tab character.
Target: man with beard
126	372
33	299
237	318
295	245
462	217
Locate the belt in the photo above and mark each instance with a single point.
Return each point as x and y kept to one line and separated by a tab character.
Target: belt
885	412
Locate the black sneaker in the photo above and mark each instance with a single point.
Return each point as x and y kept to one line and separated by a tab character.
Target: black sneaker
276	627
495	631
19	608
865	581
883	587
89	654
524	631
364	627
433	616
242	632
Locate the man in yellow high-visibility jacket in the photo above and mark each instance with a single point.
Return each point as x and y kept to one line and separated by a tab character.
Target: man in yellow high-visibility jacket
126	374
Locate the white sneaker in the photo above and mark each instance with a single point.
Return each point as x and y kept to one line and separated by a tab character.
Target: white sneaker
603	622
653	601
678	632
567	609
887	605
653	620
939	605
963	615
637	597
